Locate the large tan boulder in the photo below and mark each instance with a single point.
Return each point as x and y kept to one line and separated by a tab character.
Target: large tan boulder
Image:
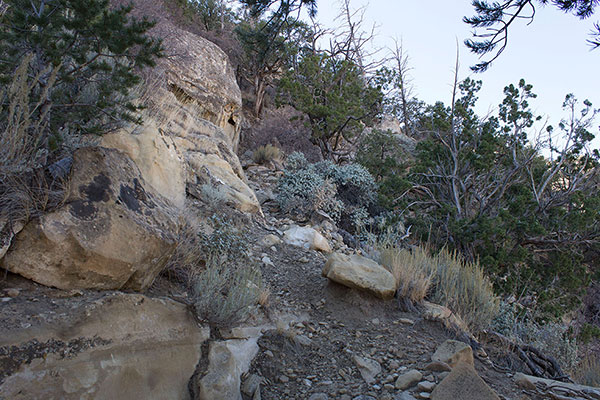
361	273
113	232
111	346
156	156
196	103
465	384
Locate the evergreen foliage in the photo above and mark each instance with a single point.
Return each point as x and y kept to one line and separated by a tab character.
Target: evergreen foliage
479	186
269	49
336	96
93	50
497	17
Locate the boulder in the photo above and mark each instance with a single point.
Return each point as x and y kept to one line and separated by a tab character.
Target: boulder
197	103
368	368
408	379
113	232
228	360
156	156
306	237
453	352
465	384
361	273
100	346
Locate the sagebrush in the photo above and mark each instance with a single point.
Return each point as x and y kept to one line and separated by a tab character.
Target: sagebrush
339	191
213	266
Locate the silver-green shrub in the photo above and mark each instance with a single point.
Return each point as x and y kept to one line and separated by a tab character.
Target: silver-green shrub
324	186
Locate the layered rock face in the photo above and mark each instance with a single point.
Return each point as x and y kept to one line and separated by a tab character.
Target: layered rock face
119	346
193	120
116	228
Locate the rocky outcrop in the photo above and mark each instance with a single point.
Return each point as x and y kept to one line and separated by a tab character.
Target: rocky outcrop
117	346
113	232
157	158
193	121
195	102
361	273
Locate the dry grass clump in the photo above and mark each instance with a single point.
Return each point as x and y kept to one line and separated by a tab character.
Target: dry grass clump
413	279
463	287
444	278
588	371
265	154
26	190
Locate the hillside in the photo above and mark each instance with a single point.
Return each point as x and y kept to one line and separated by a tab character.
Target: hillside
181	221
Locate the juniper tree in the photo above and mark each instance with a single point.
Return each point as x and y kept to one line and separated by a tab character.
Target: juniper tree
95	52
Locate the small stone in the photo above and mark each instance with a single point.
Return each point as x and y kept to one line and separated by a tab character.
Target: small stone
12	292
307	382
438	366
303	340
269	353
394	365
424	395
426	386
318	396
388	386
267	261
404	396
271	240
304	260
368	368
375	321
6	299
251	383
452	352
408	379
406	321
284	379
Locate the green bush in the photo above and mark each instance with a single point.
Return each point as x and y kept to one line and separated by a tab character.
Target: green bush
86	55
336	190
384	157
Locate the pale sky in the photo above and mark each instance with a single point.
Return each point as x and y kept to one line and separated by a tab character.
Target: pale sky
551	54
